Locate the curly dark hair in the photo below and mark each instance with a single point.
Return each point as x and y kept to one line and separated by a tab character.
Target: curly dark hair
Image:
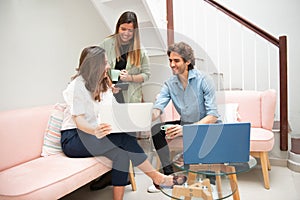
185	51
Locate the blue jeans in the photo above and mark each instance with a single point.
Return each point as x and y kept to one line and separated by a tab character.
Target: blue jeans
118	147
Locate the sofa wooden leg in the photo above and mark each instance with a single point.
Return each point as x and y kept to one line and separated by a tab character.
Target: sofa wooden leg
131	177
264	166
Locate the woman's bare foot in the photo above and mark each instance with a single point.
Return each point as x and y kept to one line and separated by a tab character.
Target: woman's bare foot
170	181
161	178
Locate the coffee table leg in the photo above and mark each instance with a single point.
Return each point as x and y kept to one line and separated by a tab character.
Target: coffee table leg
234	185
191	178
219	186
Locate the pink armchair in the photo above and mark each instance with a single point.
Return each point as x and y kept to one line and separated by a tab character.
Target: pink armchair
256	107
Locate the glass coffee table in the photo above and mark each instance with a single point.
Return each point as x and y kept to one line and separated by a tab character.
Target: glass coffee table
207	181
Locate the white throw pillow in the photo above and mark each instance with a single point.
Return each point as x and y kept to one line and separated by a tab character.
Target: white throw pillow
228	112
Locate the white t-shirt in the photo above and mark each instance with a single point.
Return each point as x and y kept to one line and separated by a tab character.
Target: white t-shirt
80	102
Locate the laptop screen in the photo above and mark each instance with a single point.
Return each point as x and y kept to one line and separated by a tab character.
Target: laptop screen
216	143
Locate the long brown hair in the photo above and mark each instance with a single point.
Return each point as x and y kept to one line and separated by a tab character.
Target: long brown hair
134	51
92	65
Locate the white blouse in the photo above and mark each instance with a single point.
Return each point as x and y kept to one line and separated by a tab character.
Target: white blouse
80	102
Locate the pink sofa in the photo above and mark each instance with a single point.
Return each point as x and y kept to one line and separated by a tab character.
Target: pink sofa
24	174
256	107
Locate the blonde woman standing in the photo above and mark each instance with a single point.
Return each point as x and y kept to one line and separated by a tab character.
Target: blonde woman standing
124	53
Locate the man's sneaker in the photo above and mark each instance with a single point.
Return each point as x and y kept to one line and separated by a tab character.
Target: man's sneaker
153	189
215	194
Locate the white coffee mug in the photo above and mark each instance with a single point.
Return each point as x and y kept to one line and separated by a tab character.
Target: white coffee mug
115	74
166	126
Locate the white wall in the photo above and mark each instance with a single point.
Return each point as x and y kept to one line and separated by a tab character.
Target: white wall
40	46
41	41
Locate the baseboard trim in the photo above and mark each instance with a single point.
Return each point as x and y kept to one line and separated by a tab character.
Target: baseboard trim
278	162
293	163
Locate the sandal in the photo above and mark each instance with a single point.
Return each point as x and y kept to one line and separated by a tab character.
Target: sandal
177	180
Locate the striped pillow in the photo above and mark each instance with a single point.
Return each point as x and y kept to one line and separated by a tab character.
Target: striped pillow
51	143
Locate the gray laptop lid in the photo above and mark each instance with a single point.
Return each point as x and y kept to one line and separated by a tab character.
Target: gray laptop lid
127	117
216	143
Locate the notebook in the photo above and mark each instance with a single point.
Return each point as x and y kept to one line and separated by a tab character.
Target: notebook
216	143
126	117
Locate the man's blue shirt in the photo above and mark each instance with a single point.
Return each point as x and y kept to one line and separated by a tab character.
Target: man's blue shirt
195	102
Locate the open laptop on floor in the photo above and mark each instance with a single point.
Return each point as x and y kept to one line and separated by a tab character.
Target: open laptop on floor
127	117
216	143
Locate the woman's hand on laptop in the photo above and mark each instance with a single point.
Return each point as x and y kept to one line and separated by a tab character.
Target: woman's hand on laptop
173	132
155	113
102	130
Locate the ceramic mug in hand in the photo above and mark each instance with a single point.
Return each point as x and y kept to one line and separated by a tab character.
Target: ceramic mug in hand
115	75
166	126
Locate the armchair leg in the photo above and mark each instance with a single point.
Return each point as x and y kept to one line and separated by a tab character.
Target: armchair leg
269	165
265	163
265	166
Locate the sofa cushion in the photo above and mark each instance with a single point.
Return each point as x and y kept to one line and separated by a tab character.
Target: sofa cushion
21	134
29	179
51	144
261	139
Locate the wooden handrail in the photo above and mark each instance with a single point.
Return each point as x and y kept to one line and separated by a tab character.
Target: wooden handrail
244	22
281	43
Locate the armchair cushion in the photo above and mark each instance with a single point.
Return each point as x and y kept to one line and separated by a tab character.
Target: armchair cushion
261	140
228	112
249	105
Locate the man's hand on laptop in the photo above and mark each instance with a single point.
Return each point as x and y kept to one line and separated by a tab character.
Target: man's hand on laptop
173	132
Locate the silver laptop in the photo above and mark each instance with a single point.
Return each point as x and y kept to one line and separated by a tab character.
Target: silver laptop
127	117
216	143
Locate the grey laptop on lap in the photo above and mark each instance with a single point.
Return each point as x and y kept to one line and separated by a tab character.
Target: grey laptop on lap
216	143
127	117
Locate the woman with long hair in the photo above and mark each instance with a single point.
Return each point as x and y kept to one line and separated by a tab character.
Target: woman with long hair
83	136
124	53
